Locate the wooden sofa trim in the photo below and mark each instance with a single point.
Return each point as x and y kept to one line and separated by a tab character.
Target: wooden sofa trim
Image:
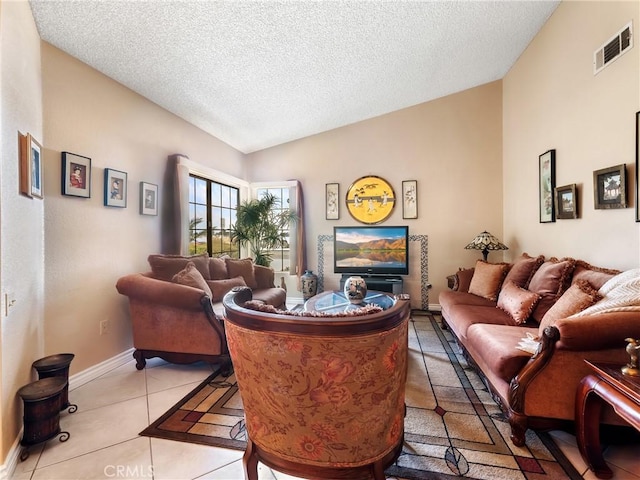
519	384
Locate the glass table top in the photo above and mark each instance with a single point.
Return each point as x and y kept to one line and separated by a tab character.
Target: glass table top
337	302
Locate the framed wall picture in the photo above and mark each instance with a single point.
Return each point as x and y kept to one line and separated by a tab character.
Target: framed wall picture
76	175
410	199
547	183
637	167
609	187
370	199
25	168
148	199
332	201
566	201
35	161
115	188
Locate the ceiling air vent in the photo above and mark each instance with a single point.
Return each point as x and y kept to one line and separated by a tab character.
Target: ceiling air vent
620	43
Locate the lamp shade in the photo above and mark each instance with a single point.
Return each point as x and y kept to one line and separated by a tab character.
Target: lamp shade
485	241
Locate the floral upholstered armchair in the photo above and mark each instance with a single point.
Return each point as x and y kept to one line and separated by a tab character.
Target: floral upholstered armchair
323	395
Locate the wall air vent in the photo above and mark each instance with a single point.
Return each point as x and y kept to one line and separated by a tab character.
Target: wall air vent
617	45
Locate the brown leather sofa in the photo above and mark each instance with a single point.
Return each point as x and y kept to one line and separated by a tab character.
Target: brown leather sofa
493	308
176	308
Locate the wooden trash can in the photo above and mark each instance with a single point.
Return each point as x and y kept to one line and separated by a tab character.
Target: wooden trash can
42	401
57	366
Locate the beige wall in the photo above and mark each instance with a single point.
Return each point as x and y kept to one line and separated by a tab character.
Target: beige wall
89	246
22	239
552	100
451	146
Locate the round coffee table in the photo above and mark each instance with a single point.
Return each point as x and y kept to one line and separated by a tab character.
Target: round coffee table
331	302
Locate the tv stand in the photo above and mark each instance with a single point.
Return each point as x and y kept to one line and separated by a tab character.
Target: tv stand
382	283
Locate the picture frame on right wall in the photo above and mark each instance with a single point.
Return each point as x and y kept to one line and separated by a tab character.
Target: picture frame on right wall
637	166
547	185
567	201
609	187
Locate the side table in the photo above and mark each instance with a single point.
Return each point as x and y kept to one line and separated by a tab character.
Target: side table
42	400
605	384
57	366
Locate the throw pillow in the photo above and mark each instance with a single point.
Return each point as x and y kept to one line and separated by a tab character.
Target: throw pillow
221	287
487	279
165	267
550	281
191	277
265	276
596	276
517	301
578	297
218	268
523	269
243	268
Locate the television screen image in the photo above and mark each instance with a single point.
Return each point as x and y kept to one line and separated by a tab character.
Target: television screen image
371	250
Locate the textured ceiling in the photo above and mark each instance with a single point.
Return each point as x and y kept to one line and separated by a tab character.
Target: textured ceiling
258	74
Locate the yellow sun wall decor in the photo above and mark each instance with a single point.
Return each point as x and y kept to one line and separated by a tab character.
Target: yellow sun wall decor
370	199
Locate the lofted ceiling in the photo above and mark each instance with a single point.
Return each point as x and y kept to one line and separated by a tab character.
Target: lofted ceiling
261	73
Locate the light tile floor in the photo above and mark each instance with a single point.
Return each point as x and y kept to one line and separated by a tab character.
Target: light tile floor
114	408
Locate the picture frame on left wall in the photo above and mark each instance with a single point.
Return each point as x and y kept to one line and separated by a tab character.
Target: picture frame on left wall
35	163
25	170
148	198
115	188
30	155
76	175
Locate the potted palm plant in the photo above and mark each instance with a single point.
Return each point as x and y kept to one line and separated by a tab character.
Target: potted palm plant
260	226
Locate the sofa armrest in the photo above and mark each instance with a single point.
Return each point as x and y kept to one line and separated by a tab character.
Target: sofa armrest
145	288
598	332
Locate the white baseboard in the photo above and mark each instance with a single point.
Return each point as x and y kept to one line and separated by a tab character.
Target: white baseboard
7	469
94	372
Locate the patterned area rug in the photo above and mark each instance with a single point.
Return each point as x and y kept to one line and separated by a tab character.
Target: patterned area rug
453	428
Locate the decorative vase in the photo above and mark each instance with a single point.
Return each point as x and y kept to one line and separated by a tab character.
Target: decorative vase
355	289
309	284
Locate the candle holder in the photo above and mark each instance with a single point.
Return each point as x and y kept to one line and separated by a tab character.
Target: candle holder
633	348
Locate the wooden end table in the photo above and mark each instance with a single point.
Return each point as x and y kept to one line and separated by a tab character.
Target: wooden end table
605	384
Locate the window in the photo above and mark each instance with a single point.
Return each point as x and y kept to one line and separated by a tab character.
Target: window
212	211
280	257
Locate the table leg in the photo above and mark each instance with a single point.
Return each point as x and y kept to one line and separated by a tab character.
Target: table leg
588	409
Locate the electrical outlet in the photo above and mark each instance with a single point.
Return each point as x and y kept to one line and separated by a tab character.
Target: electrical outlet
104	327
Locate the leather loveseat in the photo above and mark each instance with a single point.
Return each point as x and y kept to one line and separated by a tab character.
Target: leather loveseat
529	326
176	308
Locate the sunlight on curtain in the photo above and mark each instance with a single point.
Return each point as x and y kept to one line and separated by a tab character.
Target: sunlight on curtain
181	207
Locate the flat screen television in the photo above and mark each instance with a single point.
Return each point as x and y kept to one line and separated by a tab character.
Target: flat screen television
371	250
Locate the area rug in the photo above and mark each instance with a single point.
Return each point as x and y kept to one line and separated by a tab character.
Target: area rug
453	428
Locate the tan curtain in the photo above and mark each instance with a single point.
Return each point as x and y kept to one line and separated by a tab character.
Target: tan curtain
301	244
180	229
